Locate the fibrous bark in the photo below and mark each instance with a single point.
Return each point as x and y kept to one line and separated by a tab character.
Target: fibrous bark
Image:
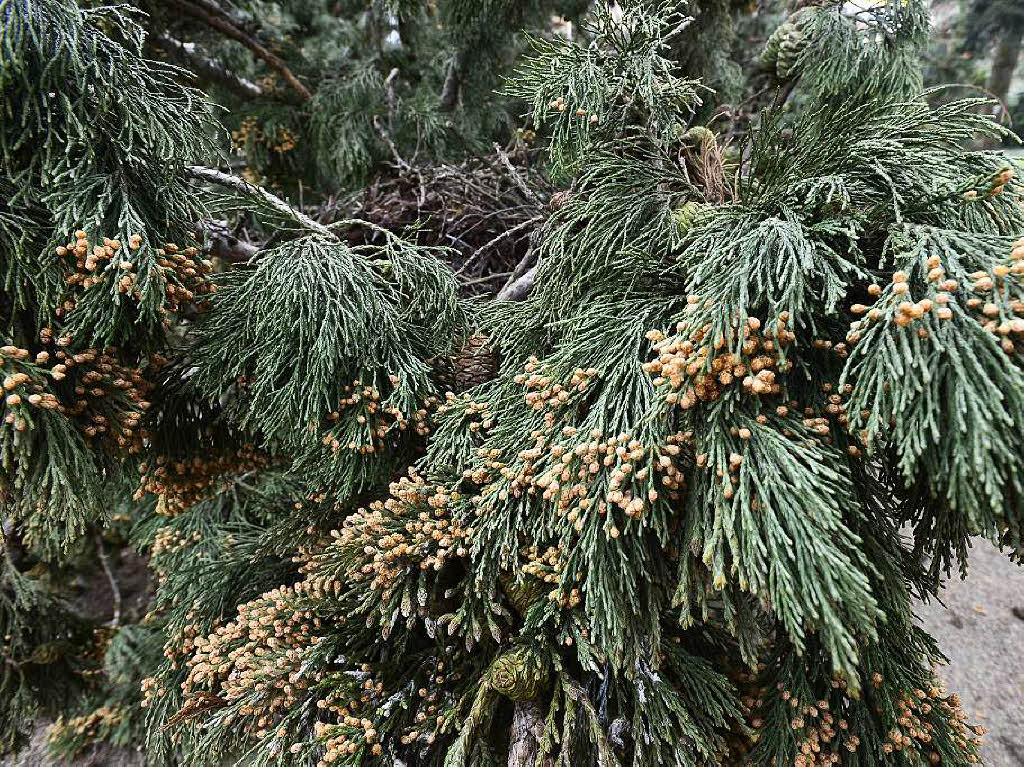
527	728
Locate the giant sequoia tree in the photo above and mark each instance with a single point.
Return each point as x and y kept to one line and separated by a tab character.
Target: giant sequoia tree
669	497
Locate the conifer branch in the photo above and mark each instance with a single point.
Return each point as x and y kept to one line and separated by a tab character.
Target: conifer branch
514	174
668	453
386	138
527	728
214	176
229	29
238	184
452	84
518	288
226	245
215	9
499	238
207	66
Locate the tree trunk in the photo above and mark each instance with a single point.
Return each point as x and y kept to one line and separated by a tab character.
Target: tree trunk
1004	62
527	728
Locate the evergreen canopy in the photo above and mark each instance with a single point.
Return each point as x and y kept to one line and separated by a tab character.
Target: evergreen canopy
672	506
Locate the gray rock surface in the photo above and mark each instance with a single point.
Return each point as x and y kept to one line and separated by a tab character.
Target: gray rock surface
981	630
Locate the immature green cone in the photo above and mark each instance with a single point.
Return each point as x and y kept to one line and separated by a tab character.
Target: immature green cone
699	135
521	594
520	673
770	55
790	47
783	50
687	216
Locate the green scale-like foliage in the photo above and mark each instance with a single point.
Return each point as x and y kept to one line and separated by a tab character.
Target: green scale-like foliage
387	81
842	54
93	139
622	526
789	527
589	92
40	649
670	530
952	424
119	720
328	349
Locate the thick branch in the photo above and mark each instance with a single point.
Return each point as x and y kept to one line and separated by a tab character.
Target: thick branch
215	176
520	288
527	729
225	245
211	7
1004	63
226	27
517	179
521	282
206	66
452	84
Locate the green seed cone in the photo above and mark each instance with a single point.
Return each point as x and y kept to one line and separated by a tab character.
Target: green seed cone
520	673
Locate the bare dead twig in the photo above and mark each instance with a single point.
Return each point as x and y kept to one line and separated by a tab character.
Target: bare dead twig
518	179
504	235
200	703
115	589
487	278
386	138
475	208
